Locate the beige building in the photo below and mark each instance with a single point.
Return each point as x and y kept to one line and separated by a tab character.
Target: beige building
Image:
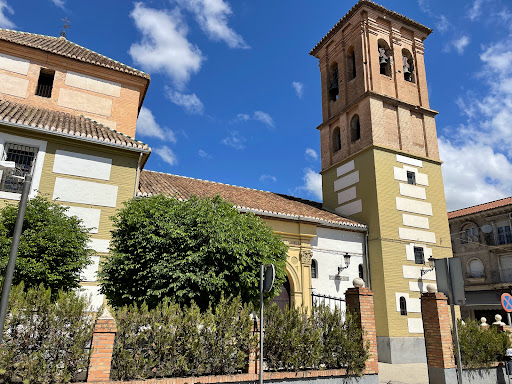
380	162
482	239
67	115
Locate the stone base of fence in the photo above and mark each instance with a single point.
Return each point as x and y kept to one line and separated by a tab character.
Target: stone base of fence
327	376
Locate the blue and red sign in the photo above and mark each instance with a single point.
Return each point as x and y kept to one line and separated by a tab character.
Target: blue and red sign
506	302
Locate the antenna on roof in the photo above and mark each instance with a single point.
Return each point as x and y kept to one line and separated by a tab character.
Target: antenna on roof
67	24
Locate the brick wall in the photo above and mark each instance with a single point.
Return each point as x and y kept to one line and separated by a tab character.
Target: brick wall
436	324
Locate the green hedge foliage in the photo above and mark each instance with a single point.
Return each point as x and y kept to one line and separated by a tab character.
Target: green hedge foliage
170	341
45	341
293	340
481	347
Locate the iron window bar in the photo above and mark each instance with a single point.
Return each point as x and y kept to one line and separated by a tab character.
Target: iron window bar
24	158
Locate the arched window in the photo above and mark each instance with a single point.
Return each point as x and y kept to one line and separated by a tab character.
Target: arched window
351	63
361	271
476	268
470	234
403	306
384	58
336	140
355	128
333	86
314	269
408	64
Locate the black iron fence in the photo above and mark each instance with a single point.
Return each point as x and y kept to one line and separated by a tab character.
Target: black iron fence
331	301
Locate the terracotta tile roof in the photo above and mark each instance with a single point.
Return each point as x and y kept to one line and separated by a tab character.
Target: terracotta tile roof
480	208
377	7
63	47
245	199
65	123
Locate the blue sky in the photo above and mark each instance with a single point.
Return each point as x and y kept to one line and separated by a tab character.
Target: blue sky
235	96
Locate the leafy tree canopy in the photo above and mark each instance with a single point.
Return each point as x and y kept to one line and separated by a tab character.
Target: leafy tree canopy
190	251
53	246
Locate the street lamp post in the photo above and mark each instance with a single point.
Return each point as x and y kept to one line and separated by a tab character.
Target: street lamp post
18	227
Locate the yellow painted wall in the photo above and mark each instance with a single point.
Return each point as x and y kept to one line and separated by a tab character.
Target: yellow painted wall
378	189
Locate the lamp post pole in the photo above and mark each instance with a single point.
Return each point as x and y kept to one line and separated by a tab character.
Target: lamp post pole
18	228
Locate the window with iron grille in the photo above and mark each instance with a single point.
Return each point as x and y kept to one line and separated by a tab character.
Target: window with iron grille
314	269
24	157
45	83
411	178
403	306
504	235
419	257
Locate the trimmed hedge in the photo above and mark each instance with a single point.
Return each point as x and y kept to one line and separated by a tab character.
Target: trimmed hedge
45	341
170	341
325	339
481	346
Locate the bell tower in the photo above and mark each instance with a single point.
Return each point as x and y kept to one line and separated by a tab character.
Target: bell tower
380	163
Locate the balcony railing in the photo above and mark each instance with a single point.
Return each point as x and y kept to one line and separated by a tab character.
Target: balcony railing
501	276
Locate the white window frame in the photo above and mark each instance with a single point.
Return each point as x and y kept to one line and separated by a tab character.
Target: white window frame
38	165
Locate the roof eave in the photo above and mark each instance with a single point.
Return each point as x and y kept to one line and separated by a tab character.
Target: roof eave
373	5
69	136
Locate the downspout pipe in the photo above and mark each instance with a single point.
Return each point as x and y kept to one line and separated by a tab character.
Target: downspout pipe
366	260
137	176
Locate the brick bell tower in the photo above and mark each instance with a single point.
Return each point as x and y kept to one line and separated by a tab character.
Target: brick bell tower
380	163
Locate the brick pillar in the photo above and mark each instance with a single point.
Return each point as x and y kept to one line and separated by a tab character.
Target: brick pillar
102	348
438	338
254	361
360	302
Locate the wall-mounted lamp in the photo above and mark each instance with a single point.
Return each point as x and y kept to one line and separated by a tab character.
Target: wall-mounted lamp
431	264
346	259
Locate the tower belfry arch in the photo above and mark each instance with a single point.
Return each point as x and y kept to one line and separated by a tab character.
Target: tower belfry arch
386	172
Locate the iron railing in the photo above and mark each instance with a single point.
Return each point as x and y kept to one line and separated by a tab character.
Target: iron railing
330	301
44	90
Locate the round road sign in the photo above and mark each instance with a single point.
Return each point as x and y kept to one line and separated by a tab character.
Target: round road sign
506	302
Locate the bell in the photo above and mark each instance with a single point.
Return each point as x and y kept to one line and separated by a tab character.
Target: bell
407	72
334	90
383	60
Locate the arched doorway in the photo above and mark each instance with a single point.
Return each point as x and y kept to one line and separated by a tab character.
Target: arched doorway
283	299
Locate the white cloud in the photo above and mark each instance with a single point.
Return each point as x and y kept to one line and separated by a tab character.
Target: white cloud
212	17
478	154
147	126
164	46
312	183
204	154
243	117
311	153
264	117
442	24
474	174
299	88
268	179
475	11
167	155
190	102
4	19
459	44
234	140
60	3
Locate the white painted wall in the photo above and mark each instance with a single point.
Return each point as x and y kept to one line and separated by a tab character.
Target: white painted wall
85	192
14	64
329	247
94	84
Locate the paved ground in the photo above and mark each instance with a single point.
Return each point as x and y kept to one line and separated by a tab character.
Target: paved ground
403	373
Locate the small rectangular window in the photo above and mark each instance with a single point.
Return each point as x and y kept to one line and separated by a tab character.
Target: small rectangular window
411	178
24	158
419	257
45	83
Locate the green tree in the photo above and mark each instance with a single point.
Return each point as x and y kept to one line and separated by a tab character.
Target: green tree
190	251
53	246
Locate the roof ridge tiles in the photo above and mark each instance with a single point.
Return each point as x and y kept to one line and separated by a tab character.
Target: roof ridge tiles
61	47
